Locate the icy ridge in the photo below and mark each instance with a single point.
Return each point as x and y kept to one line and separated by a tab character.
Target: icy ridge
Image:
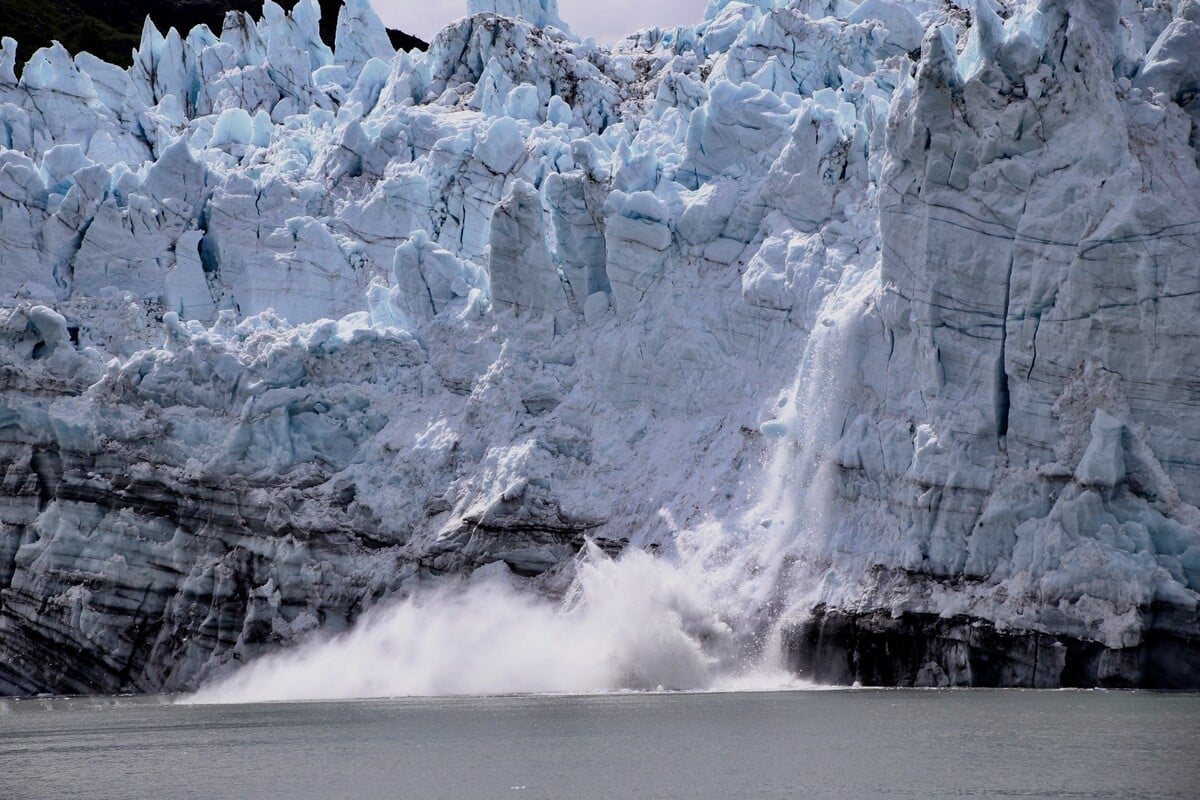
900	296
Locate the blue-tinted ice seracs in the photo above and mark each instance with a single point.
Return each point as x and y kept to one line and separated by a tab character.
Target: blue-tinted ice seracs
893	306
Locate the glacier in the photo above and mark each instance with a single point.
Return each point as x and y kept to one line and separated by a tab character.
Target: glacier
855	342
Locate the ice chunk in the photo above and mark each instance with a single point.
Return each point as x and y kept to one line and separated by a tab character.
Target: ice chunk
812	179
60	164
51	327
521	276
1103	463
261	129
428	278
501	146
741	125
579	242
558	112
234	126
8	61
637	236
186	288
903	29
522	102
1172	65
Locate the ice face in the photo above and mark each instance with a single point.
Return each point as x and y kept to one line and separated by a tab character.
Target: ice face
883	309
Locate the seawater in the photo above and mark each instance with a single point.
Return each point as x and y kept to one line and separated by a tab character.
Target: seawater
798	744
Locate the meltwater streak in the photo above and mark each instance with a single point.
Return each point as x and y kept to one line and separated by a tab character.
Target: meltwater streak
705	619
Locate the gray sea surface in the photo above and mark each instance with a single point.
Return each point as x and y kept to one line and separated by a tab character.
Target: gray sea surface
799	744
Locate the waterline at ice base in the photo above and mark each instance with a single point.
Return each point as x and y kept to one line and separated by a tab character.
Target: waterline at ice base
819	342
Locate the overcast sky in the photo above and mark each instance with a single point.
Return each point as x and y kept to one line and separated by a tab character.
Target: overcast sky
606	21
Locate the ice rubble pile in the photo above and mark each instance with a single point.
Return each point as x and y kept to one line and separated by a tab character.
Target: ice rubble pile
287	329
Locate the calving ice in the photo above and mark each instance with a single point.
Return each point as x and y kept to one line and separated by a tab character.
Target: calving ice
824	340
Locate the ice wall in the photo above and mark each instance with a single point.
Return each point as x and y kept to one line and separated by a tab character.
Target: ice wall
875	318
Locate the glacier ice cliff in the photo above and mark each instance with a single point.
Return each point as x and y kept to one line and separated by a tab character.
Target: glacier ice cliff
882	317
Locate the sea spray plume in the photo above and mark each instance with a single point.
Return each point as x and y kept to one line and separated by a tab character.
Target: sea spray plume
634	622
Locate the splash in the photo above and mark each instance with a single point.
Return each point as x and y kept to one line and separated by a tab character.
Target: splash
633	623
705	619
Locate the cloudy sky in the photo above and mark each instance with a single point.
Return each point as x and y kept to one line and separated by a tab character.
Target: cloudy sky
606	20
